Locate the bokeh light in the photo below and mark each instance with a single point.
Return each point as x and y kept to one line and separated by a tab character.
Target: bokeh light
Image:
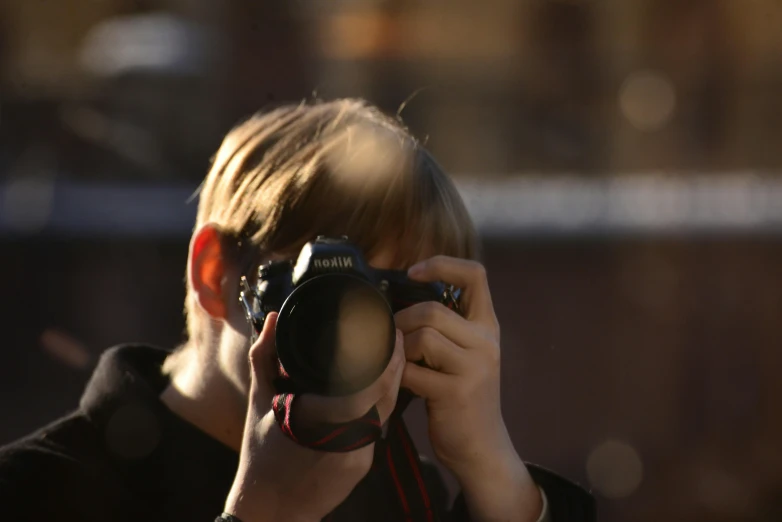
648	100
26	204
132	432
615	469
65	349
723	493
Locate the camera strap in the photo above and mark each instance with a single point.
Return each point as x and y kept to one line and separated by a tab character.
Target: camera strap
396	457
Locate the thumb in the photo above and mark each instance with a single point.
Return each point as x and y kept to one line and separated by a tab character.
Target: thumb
263	361
382	393
387	403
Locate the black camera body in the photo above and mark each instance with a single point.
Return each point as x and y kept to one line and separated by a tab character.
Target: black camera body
335	330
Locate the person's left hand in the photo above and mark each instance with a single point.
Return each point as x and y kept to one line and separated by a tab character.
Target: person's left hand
460	381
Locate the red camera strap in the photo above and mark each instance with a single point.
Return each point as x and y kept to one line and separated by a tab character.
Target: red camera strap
395	455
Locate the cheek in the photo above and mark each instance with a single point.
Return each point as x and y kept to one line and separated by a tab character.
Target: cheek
234	360
237	318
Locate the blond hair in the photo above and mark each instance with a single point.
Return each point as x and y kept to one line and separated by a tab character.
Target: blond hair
330	168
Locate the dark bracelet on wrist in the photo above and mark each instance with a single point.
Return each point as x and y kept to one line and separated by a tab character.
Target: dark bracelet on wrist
225	517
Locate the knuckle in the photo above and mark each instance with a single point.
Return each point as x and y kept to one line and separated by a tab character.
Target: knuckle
494	357
255	354
428	335
436	261
478	270
496	330
413	343
431	311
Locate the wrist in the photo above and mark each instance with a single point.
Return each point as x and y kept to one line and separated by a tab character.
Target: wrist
491	455
245	510
258	501
237	504
500	488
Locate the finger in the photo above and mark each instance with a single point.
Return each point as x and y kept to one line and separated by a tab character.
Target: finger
468	275
427	383
428	346
431	314
263	358
313	408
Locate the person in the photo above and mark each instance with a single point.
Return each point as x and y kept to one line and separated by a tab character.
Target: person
190	434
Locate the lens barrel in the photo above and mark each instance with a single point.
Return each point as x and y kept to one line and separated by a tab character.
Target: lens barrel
335	334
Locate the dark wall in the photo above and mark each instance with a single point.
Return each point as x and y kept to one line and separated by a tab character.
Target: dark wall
671	347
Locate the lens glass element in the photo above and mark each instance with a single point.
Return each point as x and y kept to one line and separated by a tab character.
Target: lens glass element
335	334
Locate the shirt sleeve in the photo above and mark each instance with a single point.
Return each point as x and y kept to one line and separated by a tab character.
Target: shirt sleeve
544	512
563	500
459	512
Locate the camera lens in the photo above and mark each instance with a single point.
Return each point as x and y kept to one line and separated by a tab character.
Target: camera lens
335	334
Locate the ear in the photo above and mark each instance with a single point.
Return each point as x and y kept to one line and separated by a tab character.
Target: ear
208	269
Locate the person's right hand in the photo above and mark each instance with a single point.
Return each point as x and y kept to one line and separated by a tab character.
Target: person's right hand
278	479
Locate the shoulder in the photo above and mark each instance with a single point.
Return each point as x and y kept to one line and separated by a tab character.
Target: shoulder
54	473
43	450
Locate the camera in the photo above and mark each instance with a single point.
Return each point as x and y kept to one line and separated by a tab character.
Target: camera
335	331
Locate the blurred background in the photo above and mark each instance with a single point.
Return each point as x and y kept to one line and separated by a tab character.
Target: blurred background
621	158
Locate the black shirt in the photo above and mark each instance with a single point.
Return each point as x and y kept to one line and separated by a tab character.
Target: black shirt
124	456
